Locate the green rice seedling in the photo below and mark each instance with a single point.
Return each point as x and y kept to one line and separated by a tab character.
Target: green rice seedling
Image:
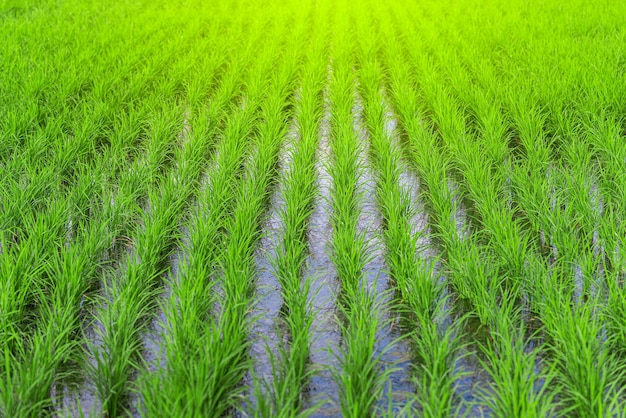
360	381
291	371
63	307
415	280
584	388
193	296
220	368
123	315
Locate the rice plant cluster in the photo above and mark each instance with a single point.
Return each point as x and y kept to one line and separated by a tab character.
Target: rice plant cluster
315	208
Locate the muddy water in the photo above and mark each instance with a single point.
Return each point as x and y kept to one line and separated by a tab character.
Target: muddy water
468	386
264	315
460	216
325	332
81	398
599	251
69	232
267	333
394	353
473	378
183	134
84	401
153	353
81	403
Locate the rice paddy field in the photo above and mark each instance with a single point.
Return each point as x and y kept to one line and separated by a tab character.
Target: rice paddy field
317	208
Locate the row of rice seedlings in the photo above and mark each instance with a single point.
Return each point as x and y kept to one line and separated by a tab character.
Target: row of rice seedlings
484	180
77	144
577	181
66	300
193	377
390	339
565	233
415	281
248	216
570	217
267	333
604	137
567	204
586	371
67	273
360	381
443	348
132	299
239	252
291	372
378	124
